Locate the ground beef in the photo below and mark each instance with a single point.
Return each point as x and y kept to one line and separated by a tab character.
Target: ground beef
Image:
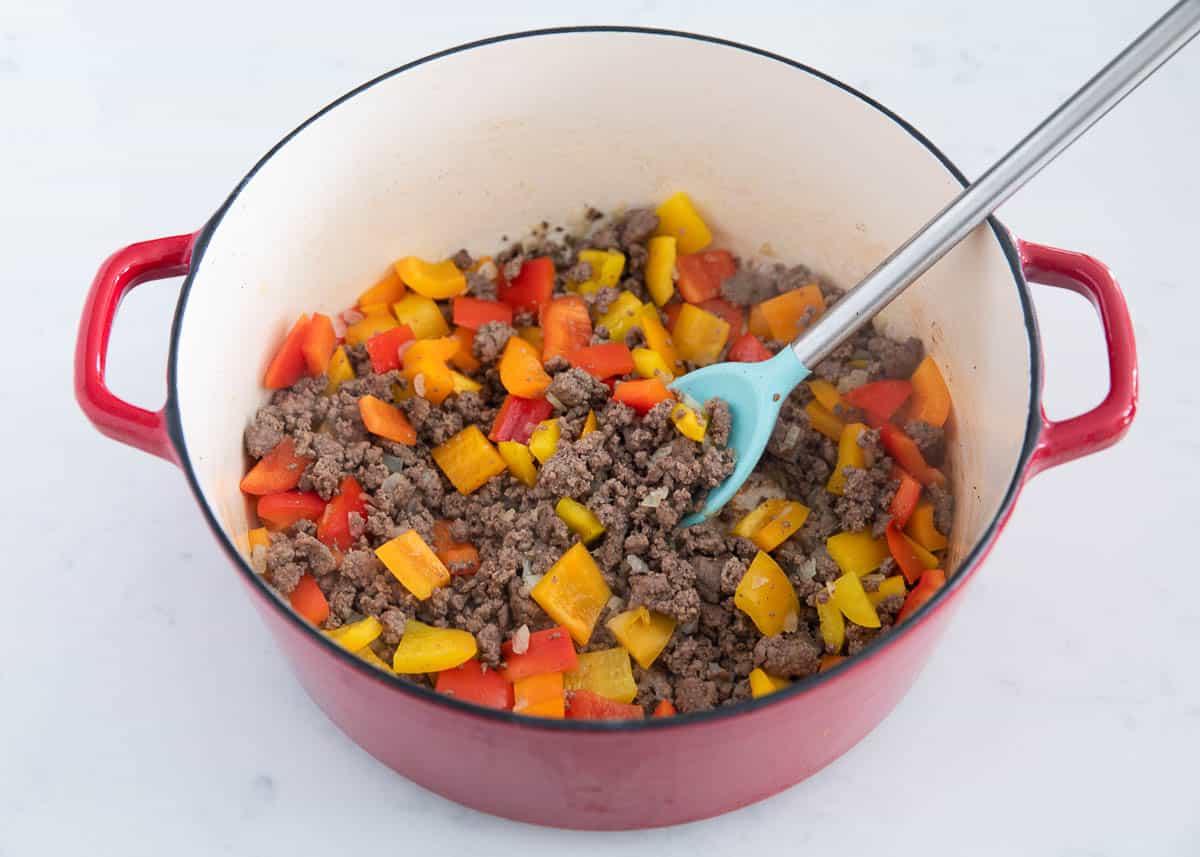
638	475
490	340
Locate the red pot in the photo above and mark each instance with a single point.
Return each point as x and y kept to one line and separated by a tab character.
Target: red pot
487	138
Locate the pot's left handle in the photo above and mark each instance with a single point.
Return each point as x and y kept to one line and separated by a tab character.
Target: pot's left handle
128	267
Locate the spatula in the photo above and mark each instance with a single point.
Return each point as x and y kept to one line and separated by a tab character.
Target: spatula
755	391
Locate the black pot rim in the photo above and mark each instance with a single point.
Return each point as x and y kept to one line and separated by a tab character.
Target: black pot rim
965	569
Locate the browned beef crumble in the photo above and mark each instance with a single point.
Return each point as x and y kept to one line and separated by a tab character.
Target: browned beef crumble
638	475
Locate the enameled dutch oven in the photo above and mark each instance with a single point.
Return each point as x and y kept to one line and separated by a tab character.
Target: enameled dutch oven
486	140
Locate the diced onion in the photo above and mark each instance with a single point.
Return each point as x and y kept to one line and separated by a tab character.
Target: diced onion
520	640
655	497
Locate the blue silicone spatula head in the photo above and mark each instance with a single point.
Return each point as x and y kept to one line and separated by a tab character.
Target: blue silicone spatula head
754	393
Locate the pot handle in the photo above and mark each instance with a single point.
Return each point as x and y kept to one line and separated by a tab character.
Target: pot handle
1105	424
128	267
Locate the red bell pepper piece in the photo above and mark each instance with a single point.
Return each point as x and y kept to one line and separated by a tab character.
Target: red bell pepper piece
566	327
603	361
461	558
334	527
531	289
748	348
906	497
286	508
641	395
319	341
700	274
309	601
586	705
904	450
665	708
879	400
731	312
288	365
474	313
517	418
903	553
932	580
549	651
473	682
278	470
672	311
384	348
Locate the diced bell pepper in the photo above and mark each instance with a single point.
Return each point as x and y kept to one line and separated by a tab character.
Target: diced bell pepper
643	633
573	593
468	460
767	596
678	217
607	672
437	280
426	649
581	520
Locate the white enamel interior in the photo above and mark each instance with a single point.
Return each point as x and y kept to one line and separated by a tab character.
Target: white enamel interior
491	140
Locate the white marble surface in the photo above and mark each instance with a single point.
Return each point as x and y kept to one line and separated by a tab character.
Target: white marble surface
144	710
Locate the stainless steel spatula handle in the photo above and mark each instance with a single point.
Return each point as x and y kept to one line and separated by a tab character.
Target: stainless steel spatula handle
971	207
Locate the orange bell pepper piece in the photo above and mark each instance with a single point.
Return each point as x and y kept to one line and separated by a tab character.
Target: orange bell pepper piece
665	708
931	397
387	290
460	558
603	361
540	695
566	327
573	593
288	365
828	662
921	527
464	359
278	470
437	280
386	421
413	563
757	323
319	342
904	450
931	581
787	315
521	370
426	370
641	395
904	501
468	460
309	601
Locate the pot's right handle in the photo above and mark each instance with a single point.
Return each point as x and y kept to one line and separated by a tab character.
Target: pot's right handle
112	415
1063	440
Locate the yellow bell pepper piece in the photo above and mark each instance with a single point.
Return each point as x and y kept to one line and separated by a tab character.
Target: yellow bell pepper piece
857	553
573	593
387	290
660	268
373	659
767	596
833	625
532	335
463	384
544	440
888	587
826	394
370	325
850	454
540	695
763	683
643	633
468	459
339	372
589	425
690	423
824	421
754	520
422	315
519	461
622	316
426	369
650	364
921	528
678	217
607	267
258	537
657	337
927	559
581	520
699	335
356	635
607	672
414	564
849	597
772	522
425	649
438	280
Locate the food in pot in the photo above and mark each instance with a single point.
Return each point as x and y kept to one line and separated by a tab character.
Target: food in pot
473	478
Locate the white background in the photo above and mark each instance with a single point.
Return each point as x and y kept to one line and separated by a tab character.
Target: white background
143	709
